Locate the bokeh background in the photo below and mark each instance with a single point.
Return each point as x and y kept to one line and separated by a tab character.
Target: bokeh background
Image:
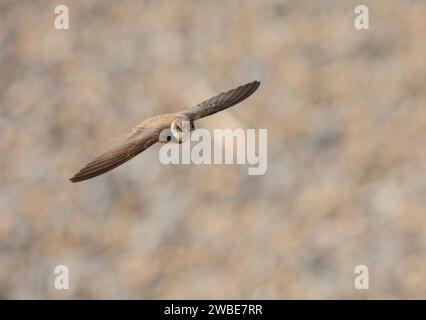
346	119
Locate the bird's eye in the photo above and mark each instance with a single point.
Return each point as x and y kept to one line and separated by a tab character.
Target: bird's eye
169	138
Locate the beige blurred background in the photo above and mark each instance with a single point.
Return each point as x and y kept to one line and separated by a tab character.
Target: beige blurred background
346	118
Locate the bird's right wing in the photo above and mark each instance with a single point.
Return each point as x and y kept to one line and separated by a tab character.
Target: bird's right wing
117	156
222	101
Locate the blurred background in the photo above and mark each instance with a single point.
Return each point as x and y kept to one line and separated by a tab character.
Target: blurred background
346	119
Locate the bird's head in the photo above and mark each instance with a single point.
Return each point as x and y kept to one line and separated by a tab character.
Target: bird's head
180	127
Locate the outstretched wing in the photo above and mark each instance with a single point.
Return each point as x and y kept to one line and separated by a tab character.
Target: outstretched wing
222	101
116	156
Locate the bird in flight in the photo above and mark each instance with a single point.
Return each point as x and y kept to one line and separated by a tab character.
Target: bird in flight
150	131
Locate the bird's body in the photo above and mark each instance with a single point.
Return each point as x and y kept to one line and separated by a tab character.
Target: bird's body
171	125
156	123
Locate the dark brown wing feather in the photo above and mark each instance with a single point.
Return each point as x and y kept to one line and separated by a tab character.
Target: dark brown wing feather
116	156
222	101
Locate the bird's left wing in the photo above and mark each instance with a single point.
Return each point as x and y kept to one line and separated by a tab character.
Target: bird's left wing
117	156
222	101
